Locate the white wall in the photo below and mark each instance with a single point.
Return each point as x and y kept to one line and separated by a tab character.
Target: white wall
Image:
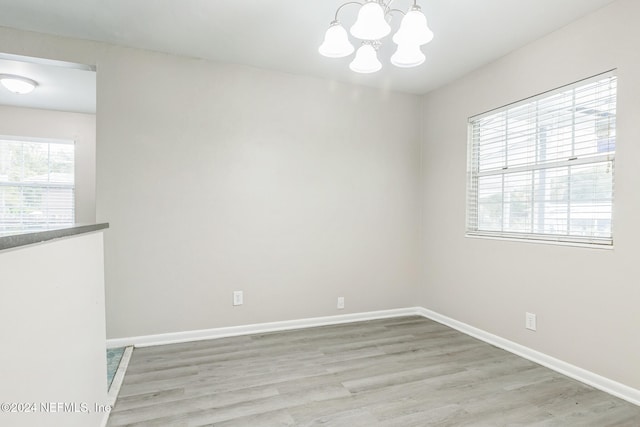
586	300
219	177
53	331
81	128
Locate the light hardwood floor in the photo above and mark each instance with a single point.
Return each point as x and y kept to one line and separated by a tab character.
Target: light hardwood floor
401	372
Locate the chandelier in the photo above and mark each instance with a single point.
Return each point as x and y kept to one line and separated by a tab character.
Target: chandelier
371	26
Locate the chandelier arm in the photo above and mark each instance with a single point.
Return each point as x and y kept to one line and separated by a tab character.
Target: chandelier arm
387	8
345	4
396	10
388	5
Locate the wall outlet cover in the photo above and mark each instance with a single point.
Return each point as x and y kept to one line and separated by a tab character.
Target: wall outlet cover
340	303
530	321
238	298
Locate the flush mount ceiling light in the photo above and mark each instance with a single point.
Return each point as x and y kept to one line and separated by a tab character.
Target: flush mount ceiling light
18	84
371	26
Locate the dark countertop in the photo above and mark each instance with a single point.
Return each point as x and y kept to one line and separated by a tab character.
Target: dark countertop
18	238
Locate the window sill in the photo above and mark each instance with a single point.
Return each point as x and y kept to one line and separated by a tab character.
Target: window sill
543	242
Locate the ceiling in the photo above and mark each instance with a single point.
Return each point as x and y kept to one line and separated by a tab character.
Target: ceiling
284	35
62	86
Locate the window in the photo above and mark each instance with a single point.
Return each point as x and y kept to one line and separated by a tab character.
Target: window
36	183
542	169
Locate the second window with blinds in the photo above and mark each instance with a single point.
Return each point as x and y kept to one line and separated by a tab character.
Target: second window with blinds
542	168
37	184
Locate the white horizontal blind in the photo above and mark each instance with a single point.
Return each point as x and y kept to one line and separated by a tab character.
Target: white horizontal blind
36	184
543	168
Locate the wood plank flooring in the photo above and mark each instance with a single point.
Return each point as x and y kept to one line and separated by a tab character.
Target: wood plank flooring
401	372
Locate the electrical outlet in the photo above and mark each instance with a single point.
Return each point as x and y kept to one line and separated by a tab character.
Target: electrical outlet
340	303
238	298
530	321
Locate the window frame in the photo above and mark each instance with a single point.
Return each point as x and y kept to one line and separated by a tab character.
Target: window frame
474	174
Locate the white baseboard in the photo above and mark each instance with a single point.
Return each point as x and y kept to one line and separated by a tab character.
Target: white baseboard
607	385
118	378
614	388
206	334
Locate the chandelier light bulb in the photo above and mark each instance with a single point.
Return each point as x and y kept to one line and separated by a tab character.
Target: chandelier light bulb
366	60
17	84
370	24
407	56
413	29
336	42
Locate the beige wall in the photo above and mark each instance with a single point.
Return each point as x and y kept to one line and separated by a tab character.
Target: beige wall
53	331
586	300
81	128
219	177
